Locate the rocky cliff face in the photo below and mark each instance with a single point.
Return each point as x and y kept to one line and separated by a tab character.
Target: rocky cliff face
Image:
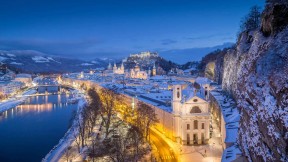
256	74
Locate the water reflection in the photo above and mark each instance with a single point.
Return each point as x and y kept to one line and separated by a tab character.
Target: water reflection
35	126
48	103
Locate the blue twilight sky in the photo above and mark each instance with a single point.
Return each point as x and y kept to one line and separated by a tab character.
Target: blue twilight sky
111	28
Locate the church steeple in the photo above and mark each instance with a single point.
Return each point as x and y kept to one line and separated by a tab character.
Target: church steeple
154	70
122	66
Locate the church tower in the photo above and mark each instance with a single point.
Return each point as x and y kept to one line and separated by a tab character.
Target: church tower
122	66
177	97
109	66
149	72
176	106
154	70
114	68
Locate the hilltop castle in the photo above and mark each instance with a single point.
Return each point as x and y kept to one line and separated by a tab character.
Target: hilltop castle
145	54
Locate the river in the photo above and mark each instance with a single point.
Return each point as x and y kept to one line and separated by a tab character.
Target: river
29	131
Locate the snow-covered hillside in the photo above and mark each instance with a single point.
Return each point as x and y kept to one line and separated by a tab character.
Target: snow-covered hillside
34	61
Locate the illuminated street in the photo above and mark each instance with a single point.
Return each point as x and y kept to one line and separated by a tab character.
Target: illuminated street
164	151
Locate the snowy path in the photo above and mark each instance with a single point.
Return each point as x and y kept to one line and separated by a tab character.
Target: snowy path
11	103
57	152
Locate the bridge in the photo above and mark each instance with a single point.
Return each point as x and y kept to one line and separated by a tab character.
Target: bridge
50	89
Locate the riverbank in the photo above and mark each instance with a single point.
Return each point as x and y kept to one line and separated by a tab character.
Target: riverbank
13	102
58	150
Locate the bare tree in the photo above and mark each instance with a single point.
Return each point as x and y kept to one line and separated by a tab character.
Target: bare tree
146	117
95	150
68	153
93	109
77	140
117	149
107	110
135	138
81	129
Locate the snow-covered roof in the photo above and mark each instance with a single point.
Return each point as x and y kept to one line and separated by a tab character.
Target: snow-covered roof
159	77
202	80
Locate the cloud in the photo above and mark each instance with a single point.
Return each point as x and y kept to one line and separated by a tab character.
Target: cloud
168	41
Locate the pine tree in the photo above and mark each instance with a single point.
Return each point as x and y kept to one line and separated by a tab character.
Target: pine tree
252	20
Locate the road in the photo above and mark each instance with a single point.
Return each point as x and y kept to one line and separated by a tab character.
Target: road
165	153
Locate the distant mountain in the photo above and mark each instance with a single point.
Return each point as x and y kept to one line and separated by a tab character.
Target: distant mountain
36	62
181	56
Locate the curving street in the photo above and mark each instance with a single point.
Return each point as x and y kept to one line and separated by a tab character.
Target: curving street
163	151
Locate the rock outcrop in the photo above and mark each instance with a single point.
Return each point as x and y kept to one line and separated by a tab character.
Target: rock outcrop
275	17
255	73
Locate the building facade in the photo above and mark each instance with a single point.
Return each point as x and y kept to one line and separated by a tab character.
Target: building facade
191	118
136	73
118	70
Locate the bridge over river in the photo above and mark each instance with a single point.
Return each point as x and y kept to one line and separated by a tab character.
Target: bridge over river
52	88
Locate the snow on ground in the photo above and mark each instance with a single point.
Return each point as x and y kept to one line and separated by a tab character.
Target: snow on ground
10	55
16	63
29	92
40	59
2	58
94	62
4	106
57	152
86	64
230	153
11	103
51	59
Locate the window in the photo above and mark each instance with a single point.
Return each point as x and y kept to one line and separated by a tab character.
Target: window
195	124
195	109
203	126
195	100
188	126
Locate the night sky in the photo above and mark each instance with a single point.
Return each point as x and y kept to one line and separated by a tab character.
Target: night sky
110	28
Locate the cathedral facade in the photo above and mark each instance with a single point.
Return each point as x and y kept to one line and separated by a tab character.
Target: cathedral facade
191	117
136	73
118	70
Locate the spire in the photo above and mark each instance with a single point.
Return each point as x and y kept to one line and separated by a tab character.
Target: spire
154	70
122	65
109	66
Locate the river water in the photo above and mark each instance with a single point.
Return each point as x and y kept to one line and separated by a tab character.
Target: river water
29	131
